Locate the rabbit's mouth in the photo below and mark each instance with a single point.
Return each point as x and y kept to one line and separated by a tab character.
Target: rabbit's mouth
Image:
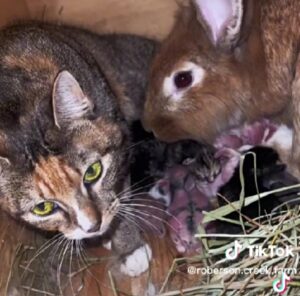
167	128
171	133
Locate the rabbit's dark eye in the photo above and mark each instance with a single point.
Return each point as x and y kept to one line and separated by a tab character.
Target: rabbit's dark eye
183	79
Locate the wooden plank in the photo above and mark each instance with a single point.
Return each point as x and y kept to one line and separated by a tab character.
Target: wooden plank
12	234
150	17
12	10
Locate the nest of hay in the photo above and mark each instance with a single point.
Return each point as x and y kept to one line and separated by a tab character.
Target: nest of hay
48	266
251	272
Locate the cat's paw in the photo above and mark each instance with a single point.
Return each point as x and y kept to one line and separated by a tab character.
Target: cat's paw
137	262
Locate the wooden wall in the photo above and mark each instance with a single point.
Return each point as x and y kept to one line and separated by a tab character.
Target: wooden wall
11	10
150	17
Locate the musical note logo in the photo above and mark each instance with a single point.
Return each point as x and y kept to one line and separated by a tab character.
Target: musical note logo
232	253
280	285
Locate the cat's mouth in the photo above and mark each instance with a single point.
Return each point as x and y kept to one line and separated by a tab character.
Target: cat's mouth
79	234
108	216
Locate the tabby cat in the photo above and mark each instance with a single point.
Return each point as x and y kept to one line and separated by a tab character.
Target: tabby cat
67	99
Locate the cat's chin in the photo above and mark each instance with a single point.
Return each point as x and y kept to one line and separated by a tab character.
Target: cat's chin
79	234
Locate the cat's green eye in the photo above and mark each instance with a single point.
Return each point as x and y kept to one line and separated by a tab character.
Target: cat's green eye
45	208
93	173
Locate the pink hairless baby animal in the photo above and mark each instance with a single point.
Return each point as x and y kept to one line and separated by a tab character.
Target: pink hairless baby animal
263	133
186	196
185	204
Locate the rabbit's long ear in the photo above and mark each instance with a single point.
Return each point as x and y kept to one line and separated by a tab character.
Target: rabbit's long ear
68	100
222	20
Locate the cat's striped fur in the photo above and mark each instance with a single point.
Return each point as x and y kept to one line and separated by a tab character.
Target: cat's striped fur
66	99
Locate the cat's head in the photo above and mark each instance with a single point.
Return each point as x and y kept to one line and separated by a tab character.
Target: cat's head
61	168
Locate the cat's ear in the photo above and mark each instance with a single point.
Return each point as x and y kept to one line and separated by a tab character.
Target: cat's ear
68	100
222	19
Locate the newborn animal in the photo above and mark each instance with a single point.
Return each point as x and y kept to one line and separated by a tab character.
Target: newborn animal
186	195
184	203
174	169
271	174
263	133
224	63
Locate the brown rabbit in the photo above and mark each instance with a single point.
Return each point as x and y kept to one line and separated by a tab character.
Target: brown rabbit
226	62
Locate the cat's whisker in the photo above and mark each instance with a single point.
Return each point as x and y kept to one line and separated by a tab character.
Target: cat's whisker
41	250
84	260
129	195
55	238
133	221
133	216
153	215
130	203
164	221
83	252
132	194
151	207
142	199
143	225
70	268
61	250
81	255
130	190
113	207
54	251
129	198
87	268
61	259
77	249
137	212
133	187
135	144
145	206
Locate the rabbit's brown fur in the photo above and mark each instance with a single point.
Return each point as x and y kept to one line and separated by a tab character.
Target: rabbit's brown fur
253	75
